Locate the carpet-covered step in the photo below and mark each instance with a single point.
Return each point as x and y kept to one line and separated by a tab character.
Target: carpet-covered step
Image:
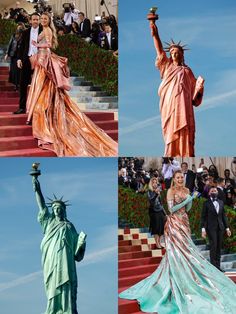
136	242
108	125
29	152
141	269
136	248
4	77
19	142
128	307
9	101
5	83
132	280
7	88
15	130
139	261
134	236
7	94
8	108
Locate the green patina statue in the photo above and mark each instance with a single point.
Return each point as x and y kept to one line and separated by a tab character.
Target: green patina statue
61	247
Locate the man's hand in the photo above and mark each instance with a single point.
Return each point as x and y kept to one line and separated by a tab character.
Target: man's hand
19	64
204	234
228	232
6	57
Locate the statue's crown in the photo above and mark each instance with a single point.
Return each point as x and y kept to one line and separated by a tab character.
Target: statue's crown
57	200
172	45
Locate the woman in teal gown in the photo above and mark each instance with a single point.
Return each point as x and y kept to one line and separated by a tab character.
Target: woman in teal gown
185	282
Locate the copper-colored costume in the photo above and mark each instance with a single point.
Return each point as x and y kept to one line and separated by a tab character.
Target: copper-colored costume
57	122
176	93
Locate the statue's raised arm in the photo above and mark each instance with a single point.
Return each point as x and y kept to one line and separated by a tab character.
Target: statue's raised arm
38	193
152	17
156	39
43	214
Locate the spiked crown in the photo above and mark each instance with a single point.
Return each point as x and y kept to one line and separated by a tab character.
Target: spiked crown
57	200
172	45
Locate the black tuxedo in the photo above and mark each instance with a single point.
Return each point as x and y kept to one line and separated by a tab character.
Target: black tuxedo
215	225
221	195
26	71
114	42
85	32
190	180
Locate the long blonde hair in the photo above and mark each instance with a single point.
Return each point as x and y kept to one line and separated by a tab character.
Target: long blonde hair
150	187
53	28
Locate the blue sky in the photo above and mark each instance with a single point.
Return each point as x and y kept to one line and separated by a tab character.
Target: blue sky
91	186
208	27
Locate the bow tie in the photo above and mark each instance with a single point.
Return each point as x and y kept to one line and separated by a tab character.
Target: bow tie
214	199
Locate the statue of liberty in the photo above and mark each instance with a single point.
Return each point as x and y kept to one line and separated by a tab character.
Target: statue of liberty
61	247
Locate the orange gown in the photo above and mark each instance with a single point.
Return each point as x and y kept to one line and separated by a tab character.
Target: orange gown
176	92
57	121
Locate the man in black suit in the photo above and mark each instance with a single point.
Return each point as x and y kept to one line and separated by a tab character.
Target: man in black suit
23	59
84	26
214	223
221	189
189	176
110	40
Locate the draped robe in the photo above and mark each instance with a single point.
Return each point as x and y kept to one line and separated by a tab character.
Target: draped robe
61	247
176	93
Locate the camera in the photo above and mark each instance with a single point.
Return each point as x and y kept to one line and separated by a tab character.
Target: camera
167	160
68	7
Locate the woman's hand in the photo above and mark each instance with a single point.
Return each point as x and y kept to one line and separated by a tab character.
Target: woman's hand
34	43
195	194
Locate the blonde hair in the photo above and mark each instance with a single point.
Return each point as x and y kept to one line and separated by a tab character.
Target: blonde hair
172	181
150	187
53	29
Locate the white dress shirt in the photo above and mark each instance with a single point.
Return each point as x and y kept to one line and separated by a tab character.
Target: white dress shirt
33	36
109	39
216	205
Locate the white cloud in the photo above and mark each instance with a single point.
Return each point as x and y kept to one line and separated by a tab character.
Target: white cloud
139	125
20	281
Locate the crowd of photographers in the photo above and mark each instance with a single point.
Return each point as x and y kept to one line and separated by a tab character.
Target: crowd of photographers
103	31
132	175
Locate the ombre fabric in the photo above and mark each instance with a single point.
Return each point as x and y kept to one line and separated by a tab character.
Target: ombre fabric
185	282
57	122
176	93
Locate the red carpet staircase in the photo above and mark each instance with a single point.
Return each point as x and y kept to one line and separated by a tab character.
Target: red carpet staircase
16	139
138	258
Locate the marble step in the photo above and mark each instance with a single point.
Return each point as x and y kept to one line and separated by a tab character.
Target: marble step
99	105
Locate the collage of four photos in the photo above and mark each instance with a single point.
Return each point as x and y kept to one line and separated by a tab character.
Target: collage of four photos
118	175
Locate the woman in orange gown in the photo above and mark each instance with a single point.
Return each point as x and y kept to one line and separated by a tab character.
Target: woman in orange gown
179	91
57	122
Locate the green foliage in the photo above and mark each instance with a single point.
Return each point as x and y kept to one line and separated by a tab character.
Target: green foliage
133	208
7	28
96	64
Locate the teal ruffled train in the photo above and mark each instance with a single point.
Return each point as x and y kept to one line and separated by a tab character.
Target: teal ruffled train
185	282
